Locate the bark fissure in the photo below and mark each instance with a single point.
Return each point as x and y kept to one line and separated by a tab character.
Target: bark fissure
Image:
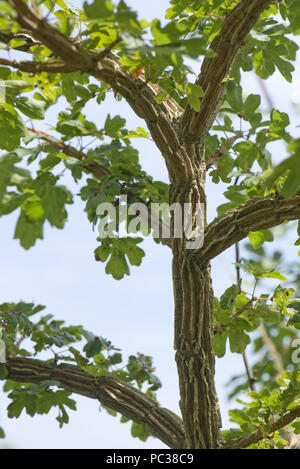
193	325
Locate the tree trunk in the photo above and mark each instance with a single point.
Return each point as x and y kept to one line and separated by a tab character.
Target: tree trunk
193	296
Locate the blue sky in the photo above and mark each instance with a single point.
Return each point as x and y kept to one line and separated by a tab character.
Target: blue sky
136	313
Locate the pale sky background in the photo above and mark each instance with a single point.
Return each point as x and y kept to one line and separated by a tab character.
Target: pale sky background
136	313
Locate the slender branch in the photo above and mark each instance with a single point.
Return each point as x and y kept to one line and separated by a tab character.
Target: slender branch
111	392
281	422
92	166
259	213
251	377
105	52
221	151
216	71
38	67
28	40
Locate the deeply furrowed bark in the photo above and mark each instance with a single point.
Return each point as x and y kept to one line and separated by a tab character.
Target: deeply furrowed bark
194	356
193	297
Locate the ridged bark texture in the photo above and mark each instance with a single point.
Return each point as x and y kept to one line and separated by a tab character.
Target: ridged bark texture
193	297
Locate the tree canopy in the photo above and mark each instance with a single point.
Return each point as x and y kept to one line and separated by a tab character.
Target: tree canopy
61	58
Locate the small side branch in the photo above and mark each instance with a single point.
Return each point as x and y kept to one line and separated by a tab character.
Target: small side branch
92	166
281	422
221	151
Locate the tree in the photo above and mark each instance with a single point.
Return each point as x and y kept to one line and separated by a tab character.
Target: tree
81	55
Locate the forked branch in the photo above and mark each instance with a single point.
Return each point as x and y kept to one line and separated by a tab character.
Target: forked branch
216	71
27	66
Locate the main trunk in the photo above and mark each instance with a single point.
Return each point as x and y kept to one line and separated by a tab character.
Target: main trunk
193	297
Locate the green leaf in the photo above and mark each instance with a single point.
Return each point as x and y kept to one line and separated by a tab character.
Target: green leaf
228	298
112	126
28	231
234	96
22	401
68	87
257	238
138	133
250	105
33	108
129	247
99	9
272	274
139	431
239	416
33	209
93	347
294	321
102	253
282	297
3	372
220	344
10	201
54	202
12	127
296	426
279	122
286	68
165	35
238	340
194	95
117	265
115	358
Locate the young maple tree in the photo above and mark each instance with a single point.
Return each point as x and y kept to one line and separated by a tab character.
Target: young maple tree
204	127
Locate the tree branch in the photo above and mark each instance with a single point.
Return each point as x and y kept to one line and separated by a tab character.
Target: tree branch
281	422
6	37
139	94
111	392
92	166
216	71
58	66
259	213
222	150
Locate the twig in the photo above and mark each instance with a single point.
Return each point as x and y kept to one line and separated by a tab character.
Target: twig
281	422
92	166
